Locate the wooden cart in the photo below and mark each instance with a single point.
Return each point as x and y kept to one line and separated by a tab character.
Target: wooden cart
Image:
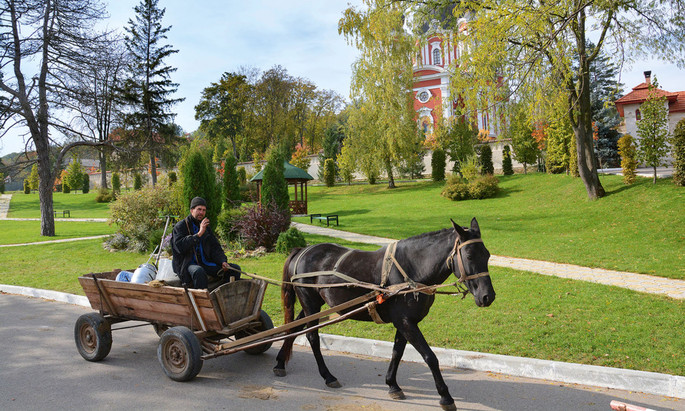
192	324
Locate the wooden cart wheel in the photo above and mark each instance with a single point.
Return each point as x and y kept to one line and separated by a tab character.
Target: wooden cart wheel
266	324
180	354
93	336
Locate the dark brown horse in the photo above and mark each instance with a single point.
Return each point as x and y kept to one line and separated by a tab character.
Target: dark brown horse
426	259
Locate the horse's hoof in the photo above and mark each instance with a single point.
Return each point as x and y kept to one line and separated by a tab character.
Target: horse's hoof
449	407
397	395
279	372
334	384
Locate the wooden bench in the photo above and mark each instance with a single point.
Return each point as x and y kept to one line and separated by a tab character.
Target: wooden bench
65	213
327	218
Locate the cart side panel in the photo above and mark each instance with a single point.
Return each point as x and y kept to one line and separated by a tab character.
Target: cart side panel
239	300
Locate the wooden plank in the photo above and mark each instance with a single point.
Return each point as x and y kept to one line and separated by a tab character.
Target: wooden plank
170	317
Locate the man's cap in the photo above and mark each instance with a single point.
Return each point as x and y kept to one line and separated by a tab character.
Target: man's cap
197	201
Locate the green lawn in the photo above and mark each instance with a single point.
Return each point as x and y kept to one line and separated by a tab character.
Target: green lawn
80	205
17	232
638	228
533	316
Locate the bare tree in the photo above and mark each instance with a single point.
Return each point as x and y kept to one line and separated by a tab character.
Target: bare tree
41	43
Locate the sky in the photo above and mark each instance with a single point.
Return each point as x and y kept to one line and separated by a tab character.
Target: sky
217	36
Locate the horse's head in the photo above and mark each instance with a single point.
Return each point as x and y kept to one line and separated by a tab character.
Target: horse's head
469	263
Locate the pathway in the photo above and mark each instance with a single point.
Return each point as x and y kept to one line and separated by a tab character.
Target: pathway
5	204
638	282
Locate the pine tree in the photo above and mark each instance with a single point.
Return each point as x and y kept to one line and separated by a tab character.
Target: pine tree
149	89
507	168
274	186
197	174
231	185
486	160
438	161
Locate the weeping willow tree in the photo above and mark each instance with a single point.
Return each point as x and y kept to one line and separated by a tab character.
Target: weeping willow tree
383	129
513	48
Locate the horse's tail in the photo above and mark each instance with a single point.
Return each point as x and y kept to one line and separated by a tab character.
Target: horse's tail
288	298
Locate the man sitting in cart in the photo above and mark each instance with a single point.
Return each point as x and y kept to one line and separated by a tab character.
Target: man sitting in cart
198	259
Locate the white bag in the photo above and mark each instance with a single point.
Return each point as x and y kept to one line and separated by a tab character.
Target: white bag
166	271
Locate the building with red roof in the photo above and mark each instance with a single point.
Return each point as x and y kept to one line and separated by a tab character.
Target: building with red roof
628	106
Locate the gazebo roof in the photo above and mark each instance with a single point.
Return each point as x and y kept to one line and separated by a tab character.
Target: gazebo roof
291	173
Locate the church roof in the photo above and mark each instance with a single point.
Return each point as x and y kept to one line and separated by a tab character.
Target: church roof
291	173
676	100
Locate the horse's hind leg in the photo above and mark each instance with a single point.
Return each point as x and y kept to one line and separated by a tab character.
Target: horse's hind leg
391	376
286	349
313	337
412	333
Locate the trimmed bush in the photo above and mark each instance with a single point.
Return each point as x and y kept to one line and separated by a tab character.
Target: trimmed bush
226	224
27	187
242	176
486	160
456	189
628	153
438	161
86	183
507	168
290	239
172	178
484	187
261	226
104	196
199	180
137	181
329	172
231	186
678	143
116	183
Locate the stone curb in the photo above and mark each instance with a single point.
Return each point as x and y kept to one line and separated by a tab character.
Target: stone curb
615	378
64	240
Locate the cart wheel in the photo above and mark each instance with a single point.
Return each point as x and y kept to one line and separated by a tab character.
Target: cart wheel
267	324
180	354
160	328
93	336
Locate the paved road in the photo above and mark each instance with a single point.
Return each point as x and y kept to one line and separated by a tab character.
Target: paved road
41	369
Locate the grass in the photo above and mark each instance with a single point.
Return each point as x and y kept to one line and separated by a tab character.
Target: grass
80	205
18	232
534	316
637	228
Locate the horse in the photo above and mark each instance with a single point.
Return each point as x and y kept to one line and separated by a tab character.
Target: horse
426	259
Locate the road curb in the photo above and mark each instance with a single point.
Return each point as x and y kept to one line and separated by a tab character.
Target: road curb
607	377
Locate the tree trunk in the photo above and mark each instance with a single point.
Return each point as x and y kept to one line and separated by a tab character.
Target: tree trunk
45	187
153	168
654	179
103	169
388	169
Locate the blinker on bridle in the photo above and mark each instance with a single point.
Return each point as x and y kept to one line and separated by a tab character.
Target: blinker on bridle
456	250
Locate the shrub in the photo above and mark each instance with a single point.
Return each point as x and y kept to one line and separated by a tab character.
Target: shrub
172	178
678	143
137	181
470	169
116	183
260	226
34	178
27	187
154	239
65	187
249	192
137	213
484	187
85	187
226	223
507	168
104	196
231	186
329	172
117	242
74	176
438	162
198	178
274	186
242	175
299	158
628	153
2	183
486	160
456	189
290	239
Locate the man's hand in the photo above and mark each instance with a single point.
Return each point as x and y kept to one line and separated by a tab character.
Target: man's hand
203	226
225	266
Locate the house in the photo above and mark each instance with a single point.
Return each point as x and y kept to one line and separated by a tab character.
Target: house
628	106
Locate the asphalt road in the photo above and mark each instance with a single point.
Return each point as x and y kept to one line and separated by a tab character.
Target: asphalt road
40	368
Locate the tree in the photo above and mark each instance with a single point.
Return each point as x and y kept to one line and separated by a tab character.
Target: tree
383	80
507	168
329	172
148	91
274	186
652	146
222	107
533	45
34	178
486	160
74	176
628	152
438	165
458	138
42	44
332	143
198	178
525	147
2	183
231	186
678	154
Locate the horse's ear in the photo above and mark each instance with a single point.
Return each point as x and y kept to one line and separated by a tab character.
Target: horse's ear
458	229
475	229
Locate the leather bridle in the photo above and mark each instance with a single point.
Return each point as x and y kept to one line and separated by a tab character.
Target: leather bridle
456	251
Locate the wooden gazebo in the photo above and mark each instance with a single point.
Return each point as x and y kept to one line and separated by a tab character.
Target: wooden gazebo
293	176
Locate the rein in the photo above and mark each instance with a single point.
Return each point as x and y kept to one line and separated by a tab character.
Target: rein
456	250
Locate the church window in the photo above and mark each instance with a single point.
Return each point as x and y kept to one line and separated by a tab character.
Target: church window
436	56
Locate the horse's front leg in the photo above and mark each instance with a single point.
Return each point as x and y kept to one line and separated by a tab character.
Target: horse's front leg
391	377
315	343
412	333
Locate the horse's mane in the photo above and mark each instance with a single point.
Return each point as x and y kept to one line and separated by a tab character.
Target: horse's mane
429	234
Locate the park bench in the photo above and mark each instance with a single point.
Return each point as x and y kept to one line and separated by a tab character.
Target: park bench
327	218
65	213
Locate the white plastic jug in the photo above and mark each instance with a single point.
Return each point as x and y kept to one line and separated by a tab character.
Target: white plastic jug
165	271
